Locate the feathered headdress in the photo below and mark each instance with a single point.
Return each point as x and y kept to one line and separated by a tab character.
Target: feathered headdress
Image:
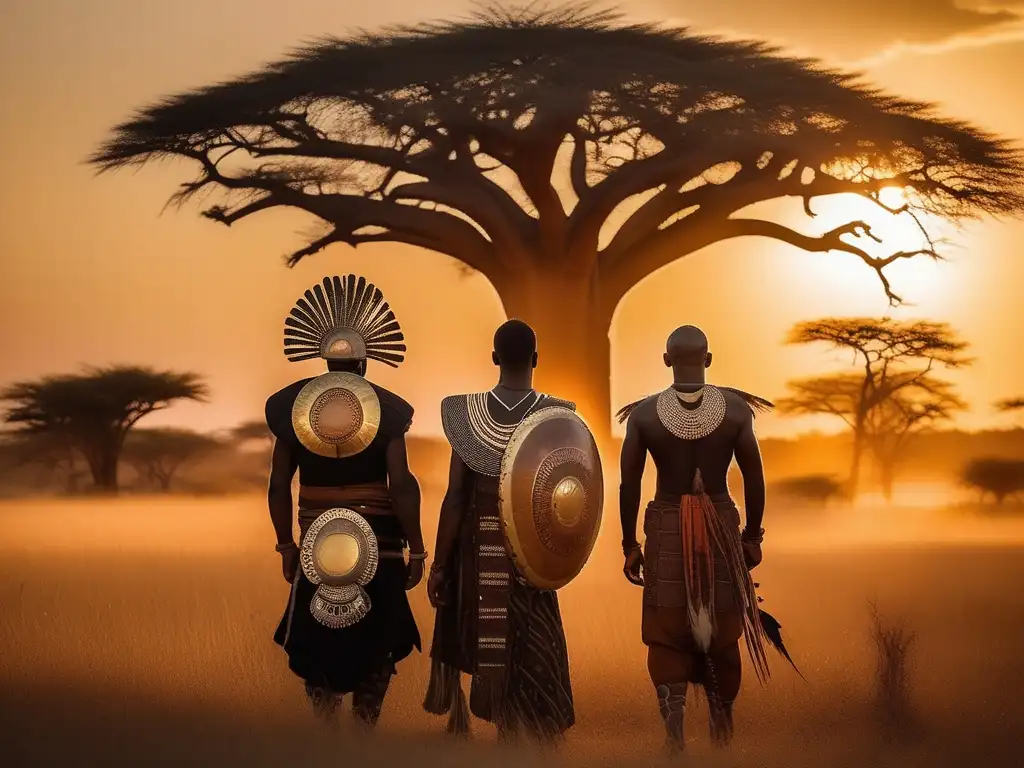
344	319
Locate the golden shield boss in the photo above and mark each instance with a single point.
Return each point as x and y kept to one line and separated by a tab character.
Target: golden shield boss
339	554
551	497
336	415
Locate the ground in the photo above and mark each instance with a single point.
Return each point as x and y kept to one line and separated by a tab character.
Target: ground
138	632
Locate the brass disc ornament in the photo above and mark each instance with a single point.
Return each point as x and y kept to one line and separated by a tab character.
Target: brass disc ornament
340	555
336	415
551	497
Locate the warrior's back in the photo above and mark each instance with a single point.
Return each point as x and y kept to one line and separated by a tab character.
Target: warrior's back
677	459
367	466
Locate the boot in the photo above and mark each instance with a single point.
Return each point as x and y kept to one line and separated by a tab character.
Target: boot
368	698
720	721
325	703
672	702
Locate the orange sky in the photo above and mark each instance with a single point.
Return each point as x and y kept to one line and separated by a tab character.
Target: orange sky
92	272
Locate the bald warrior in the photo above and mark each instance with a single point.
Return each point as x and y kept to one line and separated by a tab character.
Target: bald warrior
698	597
348	620
497	617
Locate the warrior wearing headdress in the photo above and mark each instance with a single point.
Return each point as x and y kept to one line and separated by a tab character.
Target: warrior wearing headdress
698	598
348	620
518	522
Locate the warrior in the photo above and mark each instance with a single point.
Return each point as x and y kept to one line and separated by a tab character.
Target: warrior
698	596
348	620
518	521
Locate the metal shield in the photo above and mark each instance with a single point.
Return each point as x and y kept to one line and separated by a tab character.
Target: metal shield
336	415
339	554
551	496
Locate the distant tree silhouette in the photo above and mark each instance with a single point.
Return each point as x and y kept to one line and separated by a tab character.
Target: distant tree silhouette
890	356
565	155
158	454
908	411
999	477
819	489
95	410
54	455
1010	405
256	430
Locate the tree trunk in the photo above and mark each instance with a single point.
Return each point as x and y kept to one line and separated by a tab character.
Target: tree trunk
103	457
887	478
855	463
574	352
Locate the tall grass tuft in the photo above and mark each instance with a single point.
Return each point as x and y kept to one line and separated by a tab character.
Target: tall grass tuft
894	643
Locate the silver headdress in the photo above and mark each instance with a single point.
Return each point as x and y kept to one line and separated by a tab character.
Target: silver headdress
344	319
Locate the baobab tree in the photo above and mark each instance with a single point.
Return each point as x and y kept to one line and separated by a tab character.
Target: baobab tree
890	358
566	155
95	410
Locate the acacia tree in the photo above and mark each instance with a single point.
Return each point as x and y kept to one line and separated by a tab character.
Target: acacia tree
96	409
906	412
250	431
892	356
566	155
999	477
158	454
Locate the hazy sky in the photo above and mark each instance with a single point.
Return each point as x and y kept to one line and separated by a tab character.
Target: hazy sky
94	272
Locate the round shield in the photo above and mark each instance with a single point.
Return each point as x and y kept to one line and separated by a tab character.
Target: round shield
552	495
336	415
339	550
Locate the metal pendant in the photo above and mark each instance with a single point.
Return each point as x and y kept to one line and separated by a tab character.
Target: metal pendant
340	555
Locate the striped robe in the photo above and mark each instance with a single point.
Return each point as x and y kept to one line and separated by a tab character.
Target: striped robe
504	633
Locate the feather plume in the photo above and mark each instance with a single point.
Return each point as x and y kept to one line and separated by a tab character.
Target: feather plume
773	631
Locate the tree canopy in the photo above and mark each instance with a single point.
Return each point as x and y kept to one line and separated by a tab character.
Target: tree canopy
999	477
565	154
96	409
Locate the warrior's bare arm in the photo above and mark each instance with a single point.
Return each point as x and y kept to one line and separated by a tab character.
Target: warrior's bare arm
279	492
405	493
452	509
748	458
632	462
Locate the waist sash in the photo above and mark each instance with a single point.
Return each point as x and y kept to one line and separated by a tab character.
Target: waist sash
371	500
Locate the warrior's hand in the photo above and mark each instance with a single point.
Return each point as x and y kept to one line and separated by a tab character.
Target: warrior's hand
634	566
752	554
435	587
415	574
290	563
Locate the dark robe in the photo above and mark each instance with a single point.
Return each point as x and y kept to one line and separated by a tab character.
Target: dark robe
532	689
340	659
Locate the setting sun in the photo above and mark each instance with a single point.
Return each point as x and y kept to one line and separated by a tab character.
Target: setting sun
914	279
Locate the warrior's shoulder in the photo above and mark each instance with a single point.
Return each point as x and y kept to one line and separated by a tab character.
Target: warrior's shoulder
744	402
396	412
638	408
285	397
278	409
455	412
